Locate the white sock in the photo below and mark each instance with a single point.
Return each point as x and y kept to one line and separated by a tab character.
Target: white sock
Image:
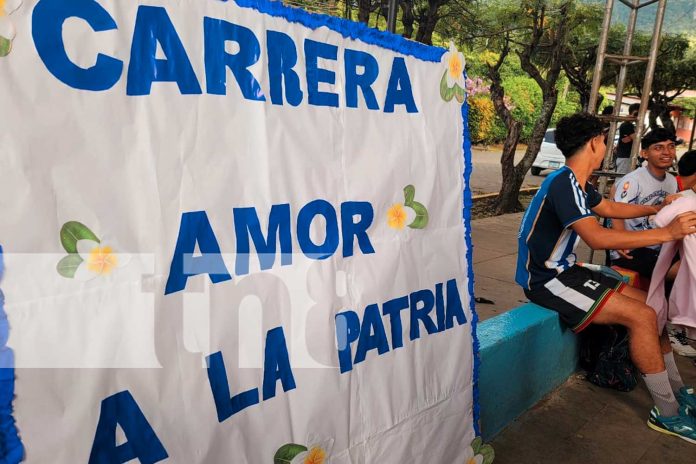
675	379
662	394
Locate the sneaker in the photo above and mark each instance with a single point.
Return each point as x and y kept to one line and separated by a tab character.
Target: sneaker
680	345
687	399
682	425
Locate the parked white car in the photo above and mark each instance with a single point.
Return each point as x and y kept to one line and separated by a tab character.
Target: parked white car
549	156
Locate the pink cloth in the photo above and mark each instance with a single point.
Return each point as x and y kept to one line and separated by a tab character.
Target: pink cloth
681	308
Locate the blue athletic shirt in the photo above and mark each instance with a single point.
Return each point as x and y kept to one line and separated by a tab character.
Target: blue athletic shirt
546	242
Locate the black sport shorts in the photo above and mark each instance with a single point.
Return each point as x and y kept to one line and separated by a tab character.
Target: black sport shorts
577	295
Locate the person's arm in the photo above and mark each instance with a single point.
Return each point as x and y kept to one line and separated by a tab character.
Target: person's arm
620	225
600	238
627	132
616	210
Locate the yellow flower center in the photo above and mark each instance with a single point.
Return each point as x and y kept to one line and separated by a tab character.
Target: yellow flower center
316	456
455	66
471	461
396	216
2	7
101	260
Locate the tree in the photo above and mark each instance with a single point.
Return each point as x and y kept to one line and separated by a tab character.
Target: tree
537	33
580	52
674	74
429	15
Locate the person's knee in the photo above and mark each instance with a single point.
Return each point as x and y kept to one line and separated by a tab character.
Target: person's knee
643	317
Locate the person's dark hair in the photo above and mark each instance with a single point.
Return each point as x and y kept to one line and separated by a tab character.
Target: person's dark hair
656	136
608	110
573	132
687	164
633	107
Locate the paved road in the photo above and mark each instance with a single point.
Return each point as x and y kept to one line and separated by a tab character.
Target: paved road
487	177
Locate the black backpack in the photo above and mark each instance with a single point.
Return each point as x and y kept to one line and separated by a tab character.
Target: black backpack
604	355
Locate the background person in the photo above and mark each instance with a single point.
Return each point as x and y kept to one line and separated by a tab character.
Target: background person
627	132
649	186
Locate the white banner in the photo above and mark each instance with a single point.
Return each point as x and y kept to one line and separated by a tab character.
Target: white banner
232	232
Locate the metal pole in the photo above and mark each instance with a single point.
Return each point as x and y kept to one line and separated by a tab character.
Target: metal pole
391	17
601	50
693	131
620	85
647	84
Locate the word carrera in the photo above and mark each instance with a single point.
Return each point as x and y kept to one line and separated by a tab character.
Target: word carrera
154	28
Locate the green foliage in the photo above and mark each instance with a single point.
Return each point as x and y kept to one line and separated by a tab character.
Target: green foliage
526	97
688	103
485	126
679	16
675	65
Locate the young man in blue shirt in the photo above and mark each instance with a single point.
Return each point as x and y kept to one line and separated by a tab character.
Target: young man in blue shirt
560	214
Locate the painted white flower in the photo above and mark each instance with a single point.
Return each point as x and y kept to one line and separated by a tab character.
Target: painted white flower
470	457
454	62
98	259
7	7
317	453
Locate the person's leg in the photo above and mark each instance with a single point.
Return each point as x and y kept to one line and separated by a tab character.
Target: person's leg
641	296
583	297
685	395
629	310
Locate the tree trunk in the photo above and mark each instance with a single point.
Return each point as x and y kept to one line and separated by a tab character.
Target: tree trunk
384	8
407	18
427	24
508	198
426	29
364	10
666	119
348	11
513	176
652	118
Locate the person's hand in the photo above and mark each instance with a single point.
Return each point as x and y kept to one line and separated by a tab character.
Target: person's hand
670	199
625	254
682	225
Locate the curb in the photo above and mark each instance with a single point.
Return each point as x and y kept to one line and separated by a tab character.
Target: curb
493	195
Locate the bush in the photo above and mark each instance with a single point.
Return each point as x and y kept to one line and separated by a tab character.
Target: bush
526	99
481	119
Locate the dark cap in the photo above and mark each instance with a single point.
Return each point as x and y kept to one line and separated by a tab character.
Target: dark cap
656	136
687	164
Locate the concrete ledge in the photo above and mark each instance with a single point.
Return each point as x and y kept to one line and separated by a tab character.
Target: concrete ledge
525	353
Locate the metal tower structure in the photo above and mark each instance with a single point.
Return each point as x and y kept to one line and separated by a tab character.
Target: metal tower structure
624	61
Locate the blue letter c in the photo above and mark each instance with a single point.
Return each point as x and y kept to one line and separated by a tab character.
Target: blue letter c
47	31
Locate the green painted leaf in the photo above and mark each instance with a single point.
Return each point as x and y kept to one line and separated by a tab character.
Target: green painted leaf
73	231
476	444
446	92
68	265
421	220
5	46
488	454
459	96
287	453
409	195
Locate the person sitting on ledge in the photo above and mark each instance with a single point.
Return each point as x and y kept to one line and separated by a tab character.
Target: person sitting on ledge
547	270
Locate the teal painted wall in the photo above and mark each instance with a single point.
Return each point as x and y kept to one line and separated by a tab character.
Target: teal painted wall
525	354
